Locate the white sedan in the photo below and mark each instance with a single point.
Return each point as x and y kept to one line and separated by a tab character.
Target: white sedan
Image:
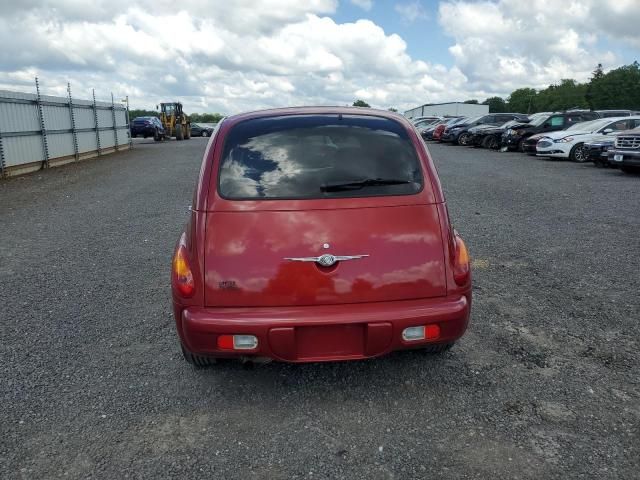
569	143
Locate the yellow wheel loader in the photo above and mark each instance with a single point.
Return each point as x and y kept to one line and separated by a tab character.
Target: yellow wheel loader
176	123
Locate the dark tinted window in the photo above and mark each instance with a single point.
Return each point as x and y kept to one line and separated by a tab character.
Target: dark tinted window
318	156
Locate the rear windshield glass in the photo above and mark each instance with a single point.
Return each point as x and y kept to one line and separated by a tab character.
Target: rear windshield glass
318	156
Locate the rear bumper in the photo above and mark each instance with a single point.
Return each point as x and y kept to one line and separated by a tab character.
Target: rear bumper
323	333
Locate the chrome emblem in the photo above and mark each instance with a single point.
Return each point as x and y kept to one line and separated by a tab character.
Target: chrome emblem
326	260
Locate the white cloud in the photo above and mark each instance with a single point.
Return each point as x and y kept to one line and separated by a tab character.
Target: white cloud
506	44
252	54
363	4
412	11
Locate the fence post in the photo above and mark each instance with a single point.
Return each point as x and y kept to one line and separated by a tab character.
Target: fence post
2	164
73	124
129	123
45	145
113	117
95	116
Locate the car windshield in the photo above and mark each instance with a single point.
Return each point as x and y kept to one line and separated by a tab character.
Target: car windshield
510	122
473	119
536	122
318	156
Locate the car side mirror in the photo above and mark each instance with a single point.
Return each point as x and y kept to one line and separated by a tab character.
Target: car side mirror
607	130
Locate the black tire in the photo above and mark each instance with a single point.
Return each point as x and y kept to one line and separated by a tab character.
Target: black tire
204	133
437	348
630	170
197	361
187	135
578	154
179	133
134	135
491	142
521	145
156	136
463	139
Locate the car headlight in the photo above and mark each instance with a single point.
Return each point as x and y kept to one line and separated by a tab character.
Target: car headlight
563	140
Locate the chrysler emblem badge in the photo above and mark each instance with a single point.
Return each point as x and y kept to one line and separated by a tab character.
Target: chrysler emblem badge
327	260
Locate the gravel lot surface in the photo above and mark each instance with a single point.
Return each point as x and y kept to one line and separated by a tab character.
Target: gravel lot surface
544	385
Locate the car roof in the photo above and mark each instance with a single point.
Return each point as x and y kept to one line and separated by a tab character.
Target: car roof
319	110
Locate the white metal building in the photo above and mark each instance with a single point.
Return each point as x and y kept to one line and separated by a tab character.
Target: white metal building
451	108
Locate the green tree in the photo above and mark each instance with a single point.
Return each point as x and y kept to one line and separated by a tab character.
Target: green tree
618	88
206	117
597	73
522	100
391	109
360	103
142	113
496	104
565	95
473	101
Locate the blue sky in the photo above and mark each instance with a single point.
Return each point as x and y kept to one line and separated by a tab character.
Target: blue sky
424	37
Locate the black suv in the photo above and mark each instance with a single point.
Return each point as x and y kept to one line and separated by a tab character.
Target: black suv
459	133
515	137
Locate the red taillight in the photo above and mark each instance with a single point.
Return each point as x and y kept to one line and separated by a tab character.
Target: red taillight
461	267
225	342
182	275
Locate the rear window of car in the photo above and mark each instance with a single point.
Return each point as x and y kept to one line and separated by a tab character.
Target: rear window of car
318	156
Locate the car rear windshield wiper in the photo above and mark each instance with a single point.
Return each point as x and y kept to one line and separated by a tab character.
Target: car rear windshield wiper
357	184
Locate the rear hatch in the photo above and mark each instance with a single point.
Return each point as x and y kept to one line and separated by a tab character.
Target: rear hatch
291	190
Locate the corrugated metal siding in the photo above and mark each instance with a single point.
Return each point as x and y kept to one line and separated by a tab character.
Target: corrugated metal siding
18	117
84	118
87	142
21	150
56	118
22	141
105	119
60	144
107	140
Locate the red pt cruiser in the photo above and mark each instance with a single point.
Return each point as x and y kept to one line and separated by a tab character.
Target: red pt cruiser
318	234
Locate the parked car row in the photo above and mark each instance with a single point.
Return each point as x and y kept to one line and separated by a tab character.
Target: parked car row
152	127
605	137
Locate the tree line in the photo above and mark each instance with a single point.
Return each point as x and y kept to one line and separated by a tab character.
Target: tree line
616	89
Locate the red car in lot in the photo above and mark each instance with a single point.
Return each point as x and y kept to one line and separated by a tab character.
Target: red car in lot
318	234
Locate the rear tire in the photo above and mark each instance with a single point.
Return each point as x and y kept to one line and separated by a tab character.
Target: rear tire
521	145
463	139
156	136
198	361
578	154
187	135
204	133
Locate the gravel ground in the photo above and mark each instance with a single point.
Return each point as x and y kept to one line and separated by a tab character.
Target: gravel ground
544	385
